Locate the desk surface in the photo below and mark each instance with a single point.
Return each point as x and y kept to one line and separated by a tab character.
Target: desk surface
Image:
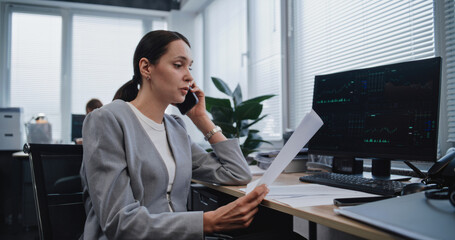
20	154
319	214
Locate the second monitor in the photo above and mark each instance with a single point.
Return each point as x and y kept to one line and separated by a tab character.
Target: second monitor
76	125
385	113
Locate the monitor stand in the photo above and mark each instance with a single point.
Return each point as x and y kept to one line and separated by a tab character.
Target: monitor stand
380	169
347	165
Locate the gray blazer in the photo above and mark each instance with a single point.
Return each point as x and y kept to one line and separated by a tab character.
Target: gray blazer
124	178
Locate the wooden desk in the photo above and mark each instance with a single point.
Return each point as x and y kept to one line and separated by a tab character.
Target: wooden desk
323	215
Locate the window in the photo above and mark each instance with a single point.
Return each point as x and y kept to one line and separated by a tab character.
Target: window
225	45
103	49
62	57
264	68
227	56
36	66
332	36
449	22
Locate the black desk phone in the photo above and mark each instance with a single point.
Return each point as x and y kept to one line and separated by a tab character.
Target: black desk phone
442	174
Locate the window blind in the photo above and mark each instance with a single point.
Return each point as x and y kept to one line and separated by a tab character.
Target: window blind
102	57
36	66
225	45
450	65
97	58
265	71
332	35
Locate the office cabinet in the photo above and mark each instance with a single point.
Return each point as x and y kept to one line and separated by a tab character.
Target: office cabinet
11	129
268	224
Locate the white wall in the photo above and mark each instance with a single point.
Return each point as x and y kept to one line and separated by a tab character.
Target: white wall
189	24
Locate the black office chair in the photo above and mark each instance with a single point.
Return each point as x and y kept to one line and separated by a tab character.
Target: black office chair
57	189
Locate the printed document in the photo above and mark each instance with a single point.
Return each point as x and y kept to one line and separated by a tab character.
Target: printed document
309	125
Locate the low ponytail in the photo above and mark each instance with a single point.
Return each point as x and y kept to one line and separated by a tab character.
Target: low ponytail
128	92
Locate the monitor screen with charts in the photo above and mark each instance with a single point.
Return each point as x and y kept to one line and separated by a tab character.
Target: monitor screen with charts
385	113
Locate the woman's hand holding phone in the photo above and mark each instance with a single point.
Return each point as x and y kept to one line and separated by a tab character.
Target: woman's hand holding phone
190	101
198	114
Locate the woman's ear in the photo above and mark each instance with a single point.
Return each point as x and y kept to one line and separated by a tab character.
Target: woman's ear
145	67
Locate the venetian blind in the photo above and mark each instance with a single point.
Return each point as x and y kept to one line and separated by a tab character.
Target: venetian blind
102	58
225	45
265	58
450	65
36	52
333	35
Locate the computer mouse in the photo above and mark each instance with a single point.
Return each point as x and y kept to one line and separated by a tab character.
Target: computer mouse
413	188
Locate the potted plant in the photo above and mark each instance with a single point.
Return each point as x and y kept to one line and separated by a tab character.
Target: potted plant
236	116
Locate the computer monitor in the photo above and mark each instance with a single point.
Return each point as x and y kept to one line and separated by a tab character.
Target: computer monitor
76	125
384	113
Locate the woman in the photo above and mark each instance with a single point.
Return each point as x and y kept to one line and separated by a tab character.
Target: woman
138	161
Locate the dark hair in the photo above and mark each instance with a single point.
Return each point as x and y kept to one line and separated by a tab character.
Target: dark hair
152	46
93	104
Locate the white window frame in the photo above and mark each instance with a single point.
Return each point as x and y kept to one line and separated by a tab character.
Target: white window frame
66	10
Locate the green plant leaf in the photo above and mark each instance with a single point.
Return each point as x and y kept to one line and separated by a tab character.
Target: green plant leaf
235	119
220	102
255	143
250	144
242	129
259	98
222	86
237	95
247	151
248	111
222	114
228	130
247	144
254	122
253	140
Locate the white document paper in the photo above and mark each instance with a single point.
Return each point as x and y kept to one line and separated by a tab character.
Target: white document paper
304	195
308	194
255	170
309	125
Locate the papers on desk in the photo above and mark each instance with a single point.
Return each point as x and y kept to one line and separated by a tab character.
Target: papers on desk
309	125
305	195
255	170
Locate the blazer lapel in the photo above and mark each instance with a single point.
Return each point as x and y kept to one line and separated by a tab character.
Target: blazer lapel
181	149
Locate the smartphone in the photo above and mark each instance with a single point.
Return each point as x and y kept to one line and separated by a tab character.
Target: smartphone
190	101
357	200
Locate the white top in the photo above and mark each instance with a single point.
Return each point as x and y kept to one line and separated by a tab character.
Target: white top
157	133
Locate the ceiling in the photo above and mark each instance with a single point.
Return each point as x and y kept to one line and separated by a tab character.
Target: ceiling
161	5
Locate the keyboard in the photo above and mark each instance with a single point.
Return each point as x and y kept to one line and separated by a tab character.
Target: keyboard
357	183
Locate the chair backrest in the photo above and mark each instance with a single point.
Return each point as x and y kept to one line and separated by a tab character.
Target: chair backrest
57	189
